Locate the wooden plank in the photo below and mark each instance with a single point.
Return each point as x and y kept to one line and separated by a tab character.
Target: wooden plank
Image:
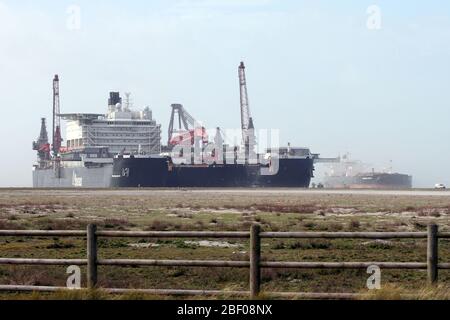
179	292
345	235
222	264
315	295
18	288
174	263
343	265
255	259
172	234
42	233
173	292
212	234
91	256
432	253
444	235
43	262
327	296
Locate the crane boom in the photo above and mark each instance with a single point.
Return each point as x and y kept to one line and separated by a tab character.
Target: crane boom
247	126
245	107
56	132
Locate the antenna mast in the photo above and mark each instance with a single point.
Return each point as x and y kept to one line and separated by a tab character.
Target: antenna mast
128	102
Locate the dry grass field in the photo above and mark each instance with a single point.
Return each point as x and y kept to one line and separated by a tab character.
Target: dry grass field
222	210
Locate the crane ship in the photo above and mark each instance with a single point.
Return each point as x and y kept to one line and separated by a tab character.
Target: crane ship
92	140
123	149
192	160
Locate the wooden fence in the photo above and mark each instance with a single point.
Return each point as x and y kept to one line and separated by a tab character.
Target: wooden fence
254	264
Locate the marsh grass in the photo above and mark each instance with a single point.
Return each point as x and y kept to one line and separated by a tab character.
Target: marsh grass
395	292
232	211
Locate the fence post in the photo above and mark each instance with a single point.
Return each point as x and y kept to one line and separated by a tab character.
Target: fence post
91	256
432	253
255	258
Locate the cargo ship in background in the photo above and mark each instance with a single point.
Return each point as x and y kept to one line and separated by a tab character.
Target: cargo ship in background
350	174
122	149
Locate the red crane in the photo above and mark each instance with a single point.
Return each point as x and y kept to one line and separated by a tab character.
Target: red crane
188	128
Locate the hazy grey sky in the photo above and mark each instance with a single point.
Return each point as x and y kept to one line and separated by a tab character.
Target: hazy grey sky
315	70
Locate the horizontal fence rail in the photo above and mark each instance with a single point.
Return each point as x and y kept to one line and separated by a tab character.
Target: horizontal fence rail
43	262
254	264
175	263
344	265
350	235
221	235
173	234
42	233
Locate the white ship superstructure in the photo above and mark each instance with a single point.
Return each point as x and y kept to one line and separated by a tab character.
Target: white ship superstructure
92	140
121	130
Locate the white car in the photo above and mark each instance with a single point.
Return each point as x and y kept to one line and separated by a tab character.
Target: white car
440	186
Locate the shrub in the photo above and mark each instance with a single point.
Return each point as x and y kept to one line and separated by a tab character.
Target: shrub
354	225
310	225
278	246
61	245
158	225
310	245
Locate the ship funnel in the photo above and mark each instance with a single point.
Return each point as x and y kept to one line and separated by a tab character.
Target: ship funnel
114	99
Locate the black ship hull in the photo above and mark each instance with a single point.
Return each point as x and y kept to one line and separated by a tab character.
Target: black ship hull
159	173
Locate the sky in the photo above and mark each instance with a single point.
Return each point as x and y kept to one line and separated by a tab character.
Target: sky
366	77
